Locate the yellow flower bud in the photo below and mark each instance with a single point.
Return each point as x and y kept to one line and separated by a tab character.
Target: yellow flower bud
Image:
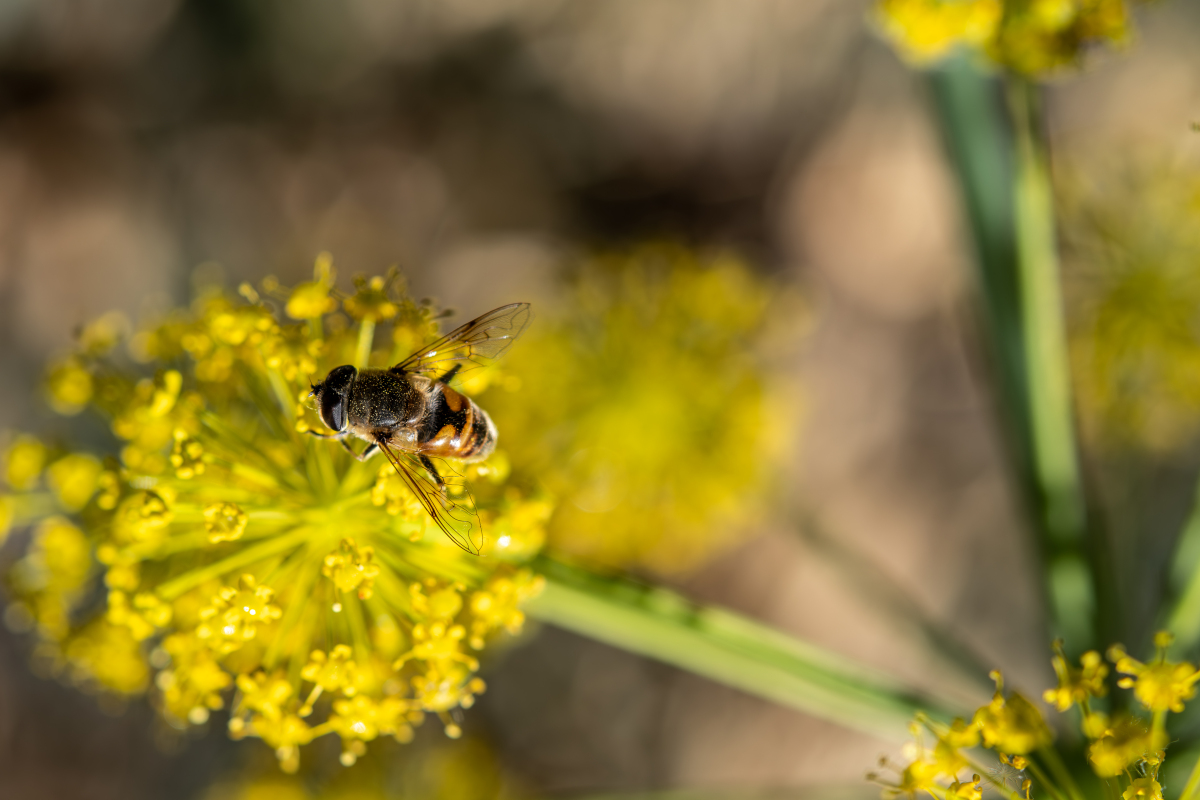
1014	725
75	479
1076	685
225	522
25	459
312	300
6	516
69	387
1124	742
187	456
141	518
1161	685
350	568
1144	788
371	300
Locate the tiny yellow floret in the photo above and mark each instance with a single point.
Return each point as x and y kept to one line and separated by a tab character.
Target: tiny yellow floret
1076	685
1161	685
225	522
1014	725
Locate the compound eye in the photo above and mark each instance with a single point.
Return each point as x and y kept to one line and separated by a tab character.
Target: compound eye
335	395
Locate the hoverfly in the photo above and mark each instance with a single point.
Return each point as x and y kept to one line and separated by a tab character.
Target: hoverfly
410	413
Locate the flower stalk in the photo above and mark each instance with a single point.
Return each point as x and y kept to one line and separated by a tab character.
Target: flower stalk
729	649
1000	158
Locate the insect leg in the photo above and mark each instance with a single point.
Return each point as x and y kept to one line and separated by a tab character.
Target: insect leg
364	455
450	373
432	470
341	436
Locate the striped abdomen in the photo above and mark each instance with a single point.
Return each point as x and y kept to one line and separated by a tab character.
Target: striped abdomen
454	427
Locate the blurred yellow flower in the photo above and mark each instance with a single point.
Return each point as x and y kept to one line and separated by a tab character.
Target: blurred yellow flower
248	564
1012	725
928	30
644	406
69	387
1076	685
24	461
6	517
1029	37
312	300
468	770
929	770
1131	247
1122	743
1144	788
967	790
74	479
1161	685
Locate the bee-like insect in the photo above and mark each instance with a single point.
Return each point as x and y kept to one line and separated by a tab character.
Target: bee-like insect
410	413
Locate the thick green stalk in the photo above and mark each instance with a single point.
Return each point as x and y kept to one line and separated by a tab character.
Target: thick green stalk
1193	783
1075	580
1002	167
1048	371
1061	773
1182	617
729	649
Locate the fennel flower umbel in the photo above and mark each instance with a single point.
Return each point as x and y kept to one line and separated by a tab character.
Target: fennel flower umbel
658	422
1126	749
247	565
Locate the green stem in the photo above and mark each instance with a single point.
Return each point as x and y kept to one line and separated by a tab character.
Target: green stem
366	338
1003	171
1183	616
1061	773
182	542
728	648
1158	727
189	580
1044	779
283	394
298	589
1193	782
1073	579
1044	327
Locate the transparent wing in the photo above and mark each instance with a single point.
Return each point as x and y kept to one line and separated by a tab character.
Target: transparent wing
453	510
475	344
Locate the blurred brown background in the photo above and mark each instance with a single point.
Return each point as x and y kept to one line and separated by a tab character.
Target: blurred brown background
479	145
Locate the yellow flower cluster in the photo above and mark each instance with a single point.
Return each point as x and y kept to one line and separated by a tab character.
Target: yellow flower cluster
646	406
1030	37
247	565
466	770
1123	747
1131	246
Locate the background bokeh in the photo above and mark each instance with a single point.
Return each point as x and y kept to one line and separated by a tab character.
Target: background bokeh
490	149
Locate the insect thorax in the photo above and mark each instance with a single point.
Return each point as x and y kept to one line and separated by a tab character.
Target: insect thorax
383	399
